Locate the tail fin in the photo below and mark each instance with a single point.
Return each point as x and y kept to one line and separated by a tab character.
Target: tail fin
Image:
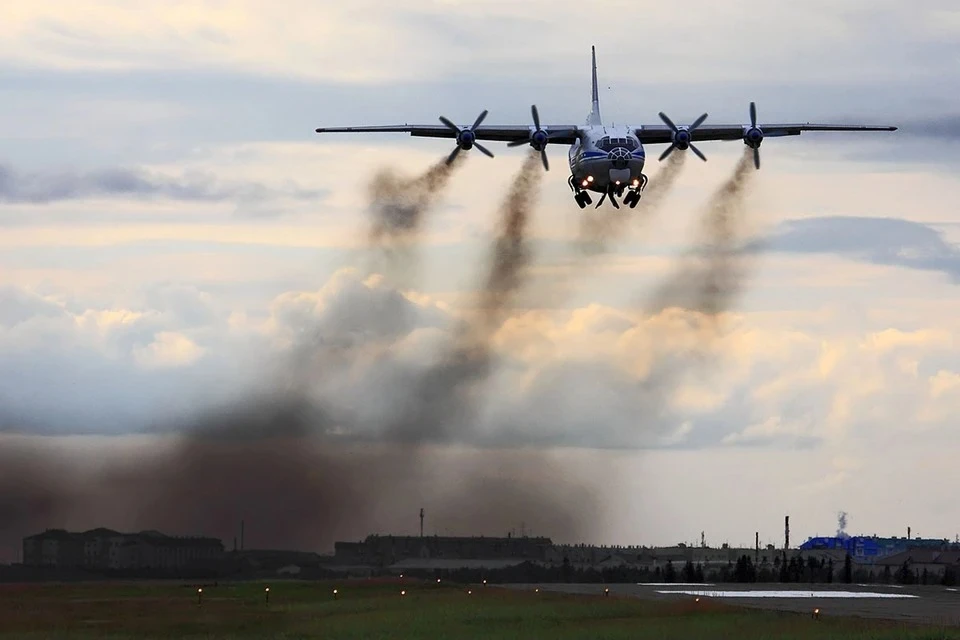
594	118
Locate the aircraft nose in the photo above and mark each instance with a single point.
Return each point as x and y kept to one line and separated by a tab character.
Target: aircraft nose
619	157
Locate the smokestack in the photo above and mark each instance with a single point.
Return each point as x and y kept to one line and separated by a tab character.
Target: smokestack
756	554
421	522
241	535
703	540
786	532
908	533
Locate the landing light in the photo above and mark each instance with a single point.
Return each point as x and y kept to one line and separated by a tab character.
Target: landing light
636	183
585	183
618	183
589	178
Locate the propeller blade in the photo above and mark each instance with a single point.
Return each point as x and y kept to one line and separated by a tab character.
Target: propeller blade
453	155
756	158
753	114
543	156
479	120
667	151
536	116
482	149
697	123
450	125
517	143
668	122
697	151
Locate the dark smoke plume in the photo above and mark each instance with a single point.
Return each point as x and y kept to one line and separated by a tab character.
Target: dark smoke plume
444	398
709	280
294	471
267	462
599	226
713	275
397	209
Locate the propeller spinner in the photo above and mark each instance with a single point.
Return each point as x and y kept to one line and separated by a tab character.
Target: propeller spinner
753	136
466	138
538	138
681	138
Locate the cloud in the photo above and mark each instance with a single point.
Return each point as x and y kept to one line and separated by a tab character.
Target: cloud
198	186
572	378
887	241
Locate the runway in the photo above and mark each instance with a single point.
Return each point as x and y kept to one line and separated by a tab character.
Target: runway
916	604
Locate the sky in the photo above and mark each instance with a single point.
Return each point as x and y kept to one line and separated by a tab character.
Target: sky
171	227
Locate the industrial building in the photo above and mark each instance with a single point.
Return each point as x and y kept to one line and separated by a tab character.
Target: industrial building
384	551
105	549
871	548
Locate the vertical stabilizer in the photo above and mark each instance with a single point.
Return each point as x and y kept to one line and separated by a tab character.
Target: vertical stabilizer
594	118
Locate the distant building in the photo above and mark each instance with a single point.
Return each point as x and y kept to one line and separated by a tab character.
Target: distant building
868	548
107	549
376	550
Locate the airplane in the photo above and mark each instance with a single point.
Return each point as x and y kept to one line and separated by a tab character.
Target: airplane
604	159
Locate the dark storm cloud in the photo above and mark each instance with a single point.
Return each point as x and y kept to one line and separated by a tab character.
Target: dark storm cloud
887	241
52	186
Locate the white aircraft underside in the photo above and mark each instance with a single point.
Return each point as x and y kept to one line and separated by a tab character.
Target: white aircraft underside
605	160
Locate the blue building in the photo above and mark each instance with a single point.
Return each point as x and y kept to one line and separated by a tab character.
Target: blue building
869	547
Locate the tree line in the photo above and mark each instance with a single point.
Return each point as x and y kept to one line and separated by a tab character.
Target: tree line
797	569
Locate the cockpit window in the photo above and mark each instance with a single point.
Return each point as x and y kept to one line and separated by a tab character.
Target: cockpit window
608	144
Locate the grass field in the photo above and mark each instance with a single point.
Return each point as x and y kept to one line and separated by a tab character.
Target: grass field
375	609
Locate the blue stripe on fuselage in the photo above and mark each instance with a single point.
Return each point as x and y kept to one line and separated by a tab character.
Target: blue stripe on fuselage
639	153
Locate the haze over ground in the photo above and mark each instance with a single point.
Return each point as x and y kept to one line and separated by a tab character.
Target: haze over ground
171	222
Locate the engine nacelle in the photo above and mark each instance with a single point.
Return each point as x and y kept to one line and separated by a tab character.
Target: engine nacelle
681	139
465	139
539	140
752	137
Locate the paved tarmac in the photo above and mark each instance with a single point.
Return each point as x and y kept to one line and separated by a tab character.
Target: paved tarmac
930	605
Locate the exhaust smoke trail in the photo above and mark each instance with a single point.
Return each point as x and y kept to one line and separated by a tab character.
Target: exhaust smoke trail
714	276
446	393
293	468
511	253
706	284
397	208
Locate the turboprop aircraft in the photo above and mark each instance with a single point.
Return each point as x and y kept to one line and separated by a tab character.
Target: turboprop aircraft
605	159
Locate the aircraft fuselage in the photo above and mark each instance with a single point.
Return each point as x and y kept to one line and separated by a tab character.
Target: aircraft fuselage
606	156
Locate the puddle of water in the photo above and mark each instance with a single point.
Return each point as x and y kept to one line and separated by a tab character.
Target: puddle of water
786	594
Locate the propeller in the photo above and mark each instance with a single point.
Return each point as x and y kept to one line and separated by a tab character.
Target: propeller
753	136
538	138
466	138
681	138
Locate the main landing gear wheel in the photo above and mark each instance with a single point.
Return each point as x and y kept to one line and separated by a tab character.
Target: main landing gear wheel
632	199
583	199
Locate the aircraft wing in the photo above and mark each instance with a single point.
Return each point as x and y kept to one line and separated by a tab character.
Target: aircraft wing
563	134
658	133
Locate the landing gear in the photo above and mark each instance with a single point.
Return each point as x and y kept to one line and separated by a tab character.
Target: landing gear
633	197
583	199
